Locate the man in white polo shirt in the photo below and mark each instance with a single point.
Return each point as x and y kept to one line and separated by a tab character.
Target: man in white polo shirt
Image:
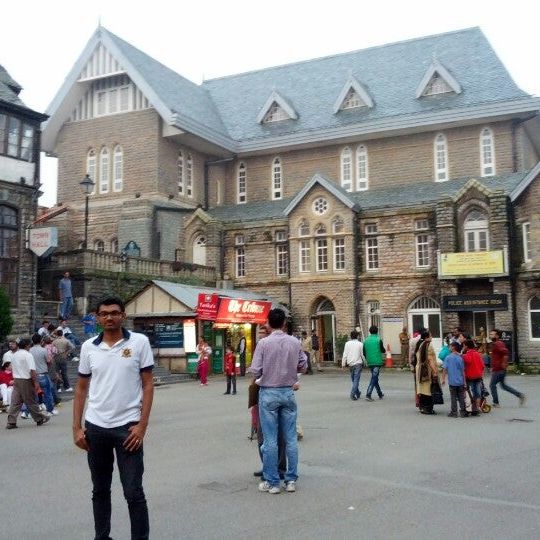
353	356
116	368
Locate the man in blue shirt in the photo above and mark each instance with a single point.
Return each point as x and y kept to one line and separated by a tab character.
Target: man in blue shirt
66	296
454	368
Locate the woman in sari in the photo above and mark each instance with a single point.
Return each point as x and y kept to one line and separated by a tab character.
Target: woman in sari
426	373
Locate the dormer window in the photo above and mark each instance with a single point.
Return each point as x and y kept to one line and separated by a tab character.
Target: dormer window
352	100
275	114
437	85
437	80
276	109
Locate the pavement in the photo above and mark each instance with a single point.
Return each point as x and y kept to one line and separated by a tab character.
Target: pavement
367	470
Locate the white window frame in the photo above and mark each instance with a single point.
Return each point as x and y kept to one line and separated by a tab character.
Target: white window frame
475	232
526	235
180	172
91	168
277	179
346	169
362	168
104	170
530	311
189	176
339	254
487	152
374	313
99	245
440	157
282	260
303	228
372	253
304	256
241	183
422	251
112	102
338	225
275	113
321	251
118	168
114	245
239	256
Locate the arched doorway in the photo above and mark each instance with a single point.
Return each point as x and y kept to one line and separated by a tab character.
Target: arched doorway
424	312
324	323
199	250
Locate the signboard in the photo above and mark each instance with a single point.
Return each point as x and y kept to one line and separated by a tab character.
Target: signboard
473	263
43	240
506	337
475	302
169	335
190	335
207	306
252	311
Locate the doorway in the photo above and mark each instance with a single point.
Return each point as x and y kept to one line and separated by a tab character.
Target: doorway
424	312
324	319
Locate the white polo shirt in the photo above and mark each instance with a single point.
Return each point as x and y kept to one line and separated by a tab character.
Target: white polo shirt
115	394
22	362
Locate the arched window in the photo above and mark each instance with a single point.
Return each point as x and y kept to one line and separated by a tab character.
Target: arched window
425	312
91	162
199	250
241	184
337	225
440	150
118	169
9	251
476	231
104	170
346	169
320	229
189	176
99	245
277	179
114	245
487	153
534	317
180	172
303	228
362	168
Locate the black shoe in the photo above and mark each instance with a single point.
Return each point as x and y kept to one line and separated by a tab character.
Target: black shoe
452	415
369	398
43	421
475	413
464	414
234	393
226	393
354	398
257	473
11	426
381	396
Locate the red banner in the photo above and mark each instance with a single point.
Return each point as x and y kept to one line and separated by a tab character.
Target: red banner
248	311
207	306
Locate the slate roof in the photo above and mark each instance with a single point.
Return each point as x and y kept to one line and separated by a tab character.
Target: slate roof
9	89
390	73
408	195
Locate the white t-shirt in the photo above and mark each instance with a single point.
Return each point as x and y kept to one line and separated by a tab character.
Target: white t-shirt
353	353
22	362
115	394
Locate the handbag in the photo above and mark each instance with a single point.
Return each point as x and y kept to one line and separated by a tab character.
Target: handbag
436	393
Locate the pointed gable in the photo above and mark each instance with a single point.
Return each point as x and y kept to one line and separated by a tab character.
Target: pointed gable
330	186
353	95
275	109
437	80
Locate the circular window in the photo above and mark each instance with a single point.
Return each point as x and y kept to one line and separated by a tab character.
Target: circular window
320	206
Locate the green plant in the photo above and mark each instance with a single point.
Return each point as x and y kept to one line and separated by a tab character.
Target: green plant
6	320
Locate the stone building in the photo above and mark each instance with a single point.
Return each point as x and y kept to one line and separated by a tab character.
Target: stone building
396	185
19	192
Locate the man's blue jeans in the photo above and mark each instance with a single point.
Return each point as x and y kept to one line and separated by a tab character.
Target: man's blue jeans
67	306
45	384
356	371
103	442
277	408
374	382
497	377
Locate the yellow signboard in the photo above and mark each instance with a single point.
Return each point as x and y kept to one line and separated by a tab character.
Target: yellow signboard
476	263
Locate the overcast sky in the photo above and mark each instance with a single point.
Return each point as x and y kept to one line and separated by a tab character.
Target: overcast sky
41	40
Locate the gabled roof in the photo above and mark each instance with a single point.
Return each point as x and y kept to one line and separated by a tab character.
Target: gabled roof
179	102
275	97
354	84
437	68
525	183
330	186
473	183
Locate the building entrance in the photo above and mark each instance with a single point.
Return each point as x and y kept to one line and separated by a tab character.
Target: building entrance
425	312
324	323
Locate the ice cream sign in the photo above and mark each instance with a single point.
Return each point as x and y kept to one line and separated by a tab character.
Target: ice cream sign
43	240
235	310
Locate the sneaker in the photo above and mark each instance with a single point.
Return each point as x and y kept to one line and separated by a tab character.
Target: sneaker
44	420
75	359
522	400
42	407
11	426
290	486
369	398
59	391
54	412
25	415
265	486
354	398
496	405
68	389
381	396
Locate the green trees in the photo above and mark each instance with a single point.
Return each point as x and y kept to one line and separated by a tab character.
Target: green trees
6	320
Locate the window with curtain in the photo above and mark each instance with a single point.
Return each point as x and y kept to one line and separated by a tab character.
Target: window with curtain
118	169
346	169
104	170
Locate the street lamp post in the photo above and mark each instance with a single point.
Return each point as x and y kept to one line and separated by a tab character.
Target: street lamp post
88	186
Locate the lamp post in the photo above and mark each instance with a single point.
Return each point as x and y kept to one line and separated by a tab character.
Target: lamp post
88	186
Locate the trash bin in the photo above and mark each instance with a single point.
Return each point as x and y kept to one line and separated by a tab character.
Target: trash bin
192	359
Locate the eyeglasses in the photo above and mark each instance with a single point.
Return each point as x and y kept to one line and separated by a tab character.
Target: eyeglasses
105	314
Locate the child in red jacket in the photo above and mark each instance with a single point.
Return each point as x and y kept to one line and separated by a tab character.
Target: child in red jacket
474	371
230	370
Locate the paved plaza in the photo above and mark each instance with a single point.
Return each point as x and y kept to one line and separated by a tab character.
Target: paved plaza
367	470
